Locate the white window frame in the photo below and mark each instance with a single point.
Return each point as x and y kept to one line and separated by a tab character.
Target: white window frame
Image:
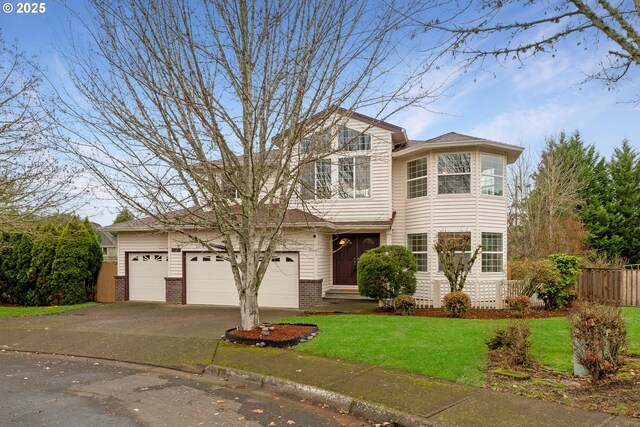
420	181
353	140
491	250
466	251
352	191
449	174
493	177
310	190
424	254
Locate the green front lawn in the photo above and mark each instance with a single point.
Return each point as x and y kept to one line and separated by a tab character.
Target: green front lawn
452	349
39	311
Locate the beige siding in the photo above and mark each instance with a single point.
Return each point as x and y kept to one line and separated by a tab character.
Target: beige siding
433	213
378	206
139	242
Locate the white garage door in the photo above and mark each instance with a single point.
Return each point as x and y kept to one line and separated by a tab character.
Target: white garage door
146	276
210	281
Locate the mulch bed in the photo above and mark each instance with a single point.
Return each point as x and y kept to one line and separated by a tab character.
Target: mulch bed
279	334
486	314
618	395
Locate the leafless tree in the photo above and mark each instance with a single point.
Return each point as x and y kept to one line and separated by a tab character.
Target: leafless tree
520	29
33	183
542	215
192	114
452	250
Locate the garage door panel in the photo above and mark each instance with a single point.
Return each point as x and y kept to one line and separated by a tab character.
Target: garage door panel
146	276
210	281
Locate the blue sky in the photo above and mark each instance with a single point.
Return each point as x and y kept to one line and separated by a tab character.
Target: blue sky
509	103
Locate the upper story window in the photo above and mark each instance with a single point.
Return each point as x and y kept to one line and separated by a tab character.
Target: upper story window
454	173
492	176
354	177
230	190
316	180
353	140
417	178
319	142
418	244
492	253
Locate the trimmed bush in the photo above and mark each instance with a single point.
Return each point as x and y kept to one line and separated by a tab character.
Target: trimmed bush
533	274
386	272
519	304
404	305
513	343
599	338
456	304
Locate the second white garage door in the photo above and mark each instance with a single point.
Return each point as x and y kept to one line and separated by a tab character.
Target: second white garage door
210	281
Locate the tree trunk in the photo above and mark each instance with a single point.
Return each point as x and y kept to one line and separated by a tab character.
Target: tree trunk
249	315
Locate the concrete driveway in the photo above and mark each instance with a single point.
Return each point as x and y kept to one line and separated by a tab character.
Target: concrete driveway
183	337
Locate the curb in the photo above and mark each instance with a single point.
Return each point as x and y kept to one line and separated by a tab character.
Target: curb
357	407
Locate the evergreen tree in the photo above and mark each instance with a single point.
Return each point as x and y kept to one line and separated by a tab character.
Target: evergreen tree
619	231
123	216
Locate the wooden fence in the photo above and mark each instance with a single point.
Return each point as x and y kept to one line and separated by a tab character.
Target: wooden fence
620	285
106	286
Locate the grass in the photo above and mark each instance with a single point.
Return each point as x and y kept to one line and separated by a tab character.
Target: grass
452	349
40	311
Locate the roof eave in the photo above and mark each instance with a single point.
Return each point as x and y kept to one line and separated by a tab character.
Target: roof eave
512	151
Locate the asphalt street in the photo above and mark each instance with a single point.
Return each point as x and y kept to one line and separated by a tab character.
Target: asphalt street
49	390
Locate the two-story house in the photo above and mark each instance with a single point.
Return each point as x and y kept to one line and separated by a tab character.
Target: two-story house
378	188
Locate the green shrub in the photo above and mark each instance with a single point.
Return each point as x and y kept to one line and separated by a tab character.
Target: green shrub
404	304
519	304
562	292
533	274
386	272
513	343
456	304
57	263
599	338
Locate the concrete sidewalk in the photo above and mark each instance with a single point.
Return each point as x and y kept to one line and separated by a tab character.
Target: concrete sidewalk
188	338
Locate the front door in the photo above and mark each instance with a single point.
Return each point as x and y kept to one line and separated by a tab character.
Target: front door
347	249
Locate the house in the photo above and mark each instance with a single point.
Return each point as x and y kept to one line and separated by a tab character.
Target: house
108	243
390	190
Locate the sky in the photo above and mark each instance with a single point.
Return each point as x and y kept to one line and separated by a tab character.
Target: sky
511	103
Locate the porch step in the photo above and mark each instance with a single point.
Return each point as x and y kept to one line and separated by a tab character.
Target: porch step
345	294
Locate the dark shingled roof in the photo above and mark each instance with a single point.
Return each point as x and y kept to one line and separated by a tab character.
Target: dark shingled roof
188	218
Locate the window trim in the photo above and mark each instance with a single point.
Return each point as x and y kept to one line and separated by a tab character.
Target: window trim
353	185
355	141
426	251
424	177
488	252
467	251
501	177
470	173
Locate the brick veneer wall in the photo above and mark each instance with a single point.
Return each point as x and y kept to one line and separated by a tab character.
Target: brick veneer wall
173	286
310	293
120	288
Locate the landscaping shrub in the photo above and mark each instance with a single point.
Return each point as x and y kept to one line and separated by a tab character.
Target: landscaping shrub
404	304
561	293
57	263
533	274
456	304
599	338
519	304
386	272
513	343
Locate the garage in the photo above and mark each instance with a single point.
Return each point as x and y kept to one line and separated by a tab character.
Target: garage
209	280
146	276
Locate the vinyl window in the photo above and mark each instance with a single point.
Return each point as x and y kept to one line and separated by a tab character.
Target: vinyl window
417	178
492	176
418	244
354	177
492	253
454	173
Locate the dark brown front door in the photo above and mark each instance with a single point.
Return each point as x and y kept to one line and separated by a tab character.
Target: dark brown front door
347	249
